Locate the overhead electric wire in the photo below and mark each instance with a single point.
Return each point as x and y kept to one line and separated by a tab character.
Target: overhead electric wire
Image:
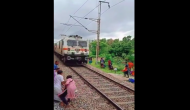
81	18
102	13
113	6
79	22
80	7
76	12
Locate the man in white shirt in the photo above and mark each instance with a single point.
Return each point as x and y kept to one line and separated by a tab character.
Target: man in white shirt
58	82
55	72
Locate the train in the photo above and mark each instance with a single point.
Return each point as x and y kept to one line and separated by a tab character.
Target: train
72	48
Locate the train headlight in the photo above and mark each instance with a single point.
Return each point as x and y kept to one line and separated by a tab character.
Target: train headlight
68	49
85	50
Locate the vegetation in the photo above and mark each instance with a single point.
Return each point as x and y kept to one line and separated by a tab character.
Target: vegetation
114	50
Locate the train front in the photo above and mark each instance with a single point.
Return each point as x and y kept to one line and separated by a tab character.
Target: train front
77	50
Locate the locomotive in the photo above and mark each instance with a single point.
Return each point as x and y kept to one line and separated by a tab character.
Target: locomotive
72	48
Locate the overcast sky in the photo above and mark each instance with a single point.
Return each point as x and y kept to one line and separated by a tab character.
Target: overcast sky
116	22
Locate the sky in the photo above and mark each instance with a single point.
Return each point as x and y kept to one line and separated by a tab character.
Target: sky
116	22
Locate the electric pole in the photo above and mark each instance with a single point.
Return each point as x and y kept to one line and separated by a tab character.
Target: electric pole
98	29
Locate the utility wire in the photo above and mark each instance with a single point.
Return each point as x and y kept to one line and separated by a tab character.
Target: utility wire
113	6
81	18
80	7
79	23
76	12
101	13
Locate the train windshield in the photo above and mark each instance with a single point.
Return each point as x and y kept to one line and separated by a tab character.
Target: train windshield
71	42
82	43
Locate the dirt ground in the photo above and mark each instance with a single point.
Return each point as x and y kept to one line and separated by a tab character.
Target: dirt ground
118	77
121	77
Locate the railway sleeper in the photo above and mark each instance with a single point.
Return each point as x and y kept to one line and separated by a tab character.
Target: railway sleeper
109	89
103	84
125	103
124	96
113	91
97	82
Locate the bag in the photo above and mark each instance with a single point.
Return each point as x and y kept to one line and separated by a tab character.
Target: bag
131	80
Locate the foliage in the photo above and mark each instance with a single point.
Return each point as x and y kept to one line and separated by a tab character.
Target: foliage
114	50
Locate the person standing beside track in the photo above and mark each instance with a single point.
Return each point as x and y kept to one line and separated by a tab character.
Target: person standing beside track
56	65
58	82
90	60
102	63
130	63
125	70
109	63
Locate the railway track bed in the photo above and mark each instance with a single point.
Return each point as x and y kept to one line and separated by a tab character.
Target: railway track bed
119	95
127	84
86	97
96	92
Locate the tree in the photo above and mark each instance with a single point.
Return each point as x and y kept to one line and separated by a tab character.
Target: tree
110	41
129	38
114	49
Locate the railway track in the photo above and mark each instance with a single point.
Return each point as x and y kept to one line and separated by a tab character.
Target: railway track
120	96
87	97
98	92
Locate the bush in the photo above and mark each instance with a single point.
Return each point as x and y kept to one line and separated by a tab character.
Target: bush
130	57
93	56
119	68
118	60
108	57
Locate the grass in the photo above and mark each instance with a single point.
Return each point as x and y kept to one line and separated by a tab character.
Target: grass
106	69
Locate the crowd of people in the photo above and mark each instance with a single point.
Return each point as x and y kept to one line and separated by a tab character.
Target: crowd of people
128	69
64	90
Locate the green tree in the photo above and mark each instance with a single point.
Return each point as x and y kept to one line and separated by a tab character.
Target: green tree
115	49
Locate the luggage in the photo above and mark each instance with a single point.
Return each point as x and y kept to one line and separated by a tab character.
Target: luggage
131	80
